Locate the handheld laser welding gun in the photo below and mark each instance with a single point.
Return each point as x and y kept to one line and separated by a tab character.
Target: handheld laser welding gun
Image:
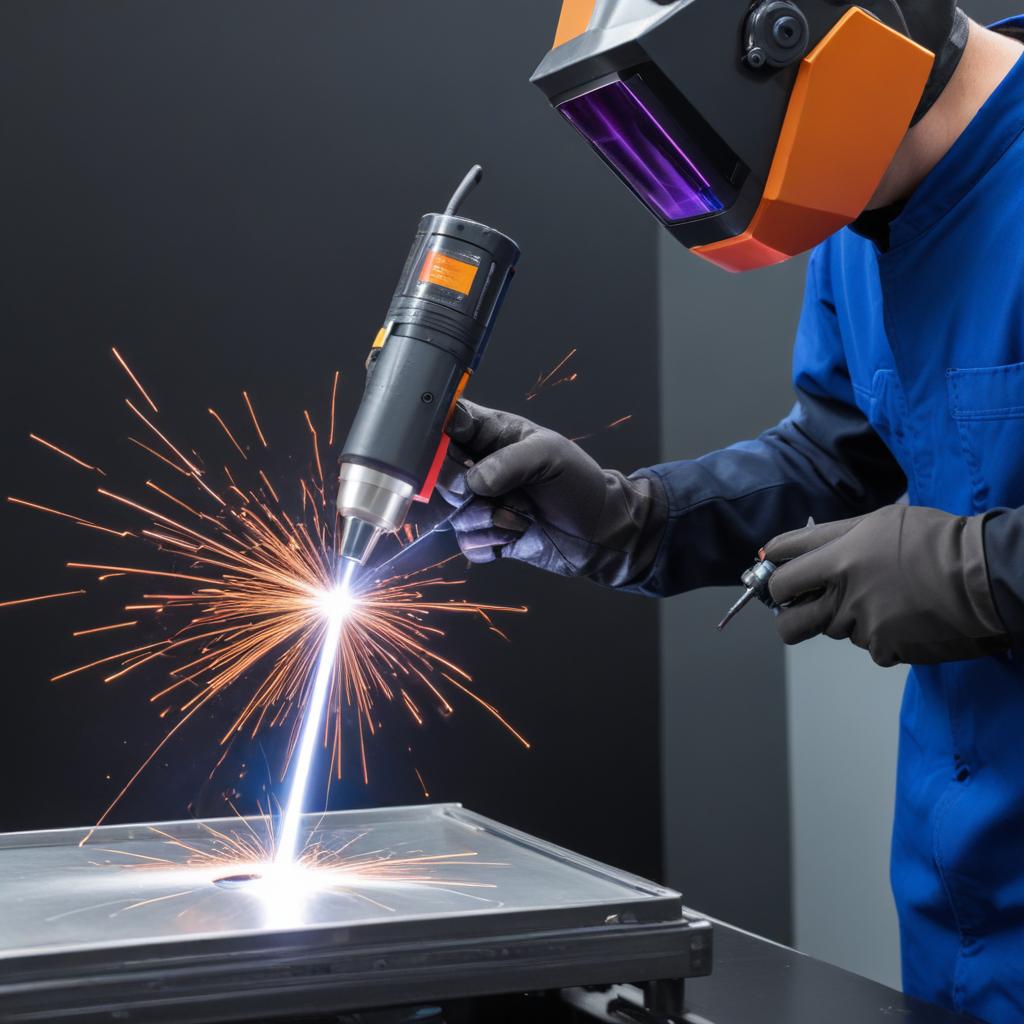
437	327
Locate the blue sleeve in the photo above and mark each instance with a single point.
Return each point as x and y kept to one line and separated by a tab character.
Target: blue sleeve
823	461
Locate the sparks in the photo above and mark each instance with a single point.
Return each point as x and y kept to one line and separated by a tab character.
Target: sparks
231	437
247	856
104	629
608	426
551	379
66	515
233	589
255	422
65	454
41	597
135	380
561	374
334	403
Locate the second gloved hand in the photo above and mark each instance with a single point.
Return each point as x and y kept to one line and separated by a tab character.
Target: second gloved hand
908	584
535	496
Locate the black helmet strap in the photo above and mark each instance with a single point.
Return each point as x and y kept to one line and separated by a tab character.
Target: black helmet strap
947	59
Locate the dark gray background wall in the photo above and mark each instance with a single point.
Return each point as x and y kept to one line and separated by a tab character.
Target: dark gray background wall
226	190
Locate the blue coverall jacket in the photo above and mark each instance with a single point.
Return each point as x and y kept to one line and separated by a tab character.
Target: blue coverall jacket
909	367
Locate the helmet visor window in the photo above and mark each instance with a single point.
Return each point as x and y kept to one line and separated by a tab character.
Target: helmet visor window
649	150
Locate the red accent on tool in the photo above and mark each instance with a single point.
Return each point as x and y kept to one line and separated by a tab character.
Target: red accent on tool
427	490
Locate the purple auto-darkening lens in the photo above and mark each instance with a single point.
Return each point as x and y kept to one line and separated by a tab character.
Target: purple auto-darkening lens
624	130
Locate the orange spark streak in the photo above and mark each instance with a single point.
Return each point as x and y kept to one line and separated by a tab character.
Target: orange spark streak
66	515
135	380
141	572
610	426
142	767
543	381
67	455
426	792
42	597
231	437
334	402
105	661
177	501
411	705
269	486
490	707
159	899
104	629
162	458
255	422
194	470
316	446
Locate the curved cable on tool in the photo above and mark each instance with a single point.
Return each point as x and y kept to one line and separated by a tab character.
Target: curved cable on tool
469	182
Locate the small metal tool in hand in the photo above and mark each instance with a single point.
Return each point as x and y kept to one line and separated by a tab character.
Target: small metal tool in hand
756	580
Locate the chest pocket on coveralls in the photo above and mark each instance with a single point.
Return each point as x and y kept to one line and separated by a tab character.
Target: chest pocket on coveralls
987	405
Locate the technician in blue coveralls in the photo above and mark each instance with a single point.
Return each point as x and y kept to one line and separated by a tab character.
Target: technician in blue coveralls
909	374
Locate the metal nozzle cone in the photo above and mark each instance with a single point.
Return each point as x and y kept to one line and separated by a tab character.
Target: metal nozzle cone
358	539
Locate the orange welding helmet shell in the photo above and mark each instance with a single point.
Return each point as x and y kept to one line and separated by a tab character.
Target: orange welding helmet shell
752	131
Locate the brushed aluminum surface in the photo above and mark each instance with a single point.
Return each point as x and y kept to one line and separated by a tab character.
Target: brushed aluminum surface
400	904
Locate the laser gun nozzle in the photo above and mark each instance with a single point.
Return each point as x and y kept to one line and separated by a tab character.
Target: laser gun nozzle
370	504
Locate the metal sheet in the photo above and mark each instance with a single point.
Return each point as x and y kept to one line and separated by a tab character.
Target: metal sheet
388	907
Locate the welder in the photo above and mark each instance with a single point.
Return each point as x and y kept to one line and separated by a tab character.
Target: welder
887	137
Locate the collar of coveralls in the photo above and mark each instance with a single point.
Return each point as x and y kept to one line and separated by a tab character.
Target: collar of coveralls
995	127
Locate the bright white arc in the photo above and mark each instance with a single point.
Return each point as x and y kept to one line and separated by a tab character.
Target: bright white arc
288	839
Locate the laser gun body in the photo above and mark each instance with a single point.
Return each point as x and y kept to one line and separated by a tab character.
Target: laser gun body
437	327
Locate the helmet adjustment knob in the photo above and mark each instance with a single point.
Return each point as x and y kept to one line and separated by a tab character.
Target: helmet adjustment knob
776	34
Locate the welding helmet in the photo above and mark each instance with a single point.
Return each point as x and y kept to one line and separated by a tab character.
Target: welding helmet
753	131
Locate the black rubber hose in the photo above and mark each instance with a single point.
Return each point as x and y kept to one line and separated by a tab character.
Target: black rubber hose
469	182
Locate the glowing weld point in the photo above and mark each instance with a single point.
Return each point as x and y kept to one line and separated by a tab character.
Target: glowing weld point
336	605
281	888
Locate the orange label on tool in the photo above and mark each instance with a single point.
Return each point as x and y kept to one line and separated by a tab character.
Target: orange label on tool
448	272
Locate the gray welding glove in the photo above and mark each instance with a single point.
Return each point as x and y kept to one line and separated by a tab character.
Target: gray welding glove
532	495
908	584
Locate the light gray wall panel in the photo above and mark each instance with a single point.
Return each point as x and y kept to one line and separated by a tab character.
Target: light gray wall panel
726	343
843	727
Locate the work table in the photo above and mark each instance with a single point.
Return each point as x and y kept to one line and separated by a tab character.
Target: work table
756	980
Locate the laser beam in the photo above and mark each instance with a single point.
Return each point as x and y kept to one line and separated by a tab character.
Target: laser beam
339	603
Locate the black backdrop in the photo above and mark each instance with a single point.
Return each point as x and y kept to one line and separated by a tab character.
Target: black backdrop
226	192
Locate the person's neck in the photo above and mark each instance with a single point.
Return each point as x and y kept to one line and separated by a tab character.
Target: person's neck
987	59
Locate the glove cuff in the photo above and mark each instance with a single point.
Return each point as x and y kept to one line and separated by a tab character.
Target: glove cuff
641	507
976	580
